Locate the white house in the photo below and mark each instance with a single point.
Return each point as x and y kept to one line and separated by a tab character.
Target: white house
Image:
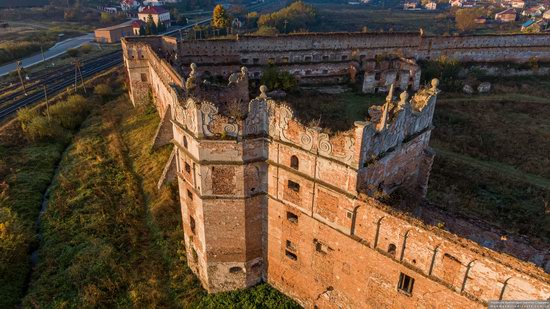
158	13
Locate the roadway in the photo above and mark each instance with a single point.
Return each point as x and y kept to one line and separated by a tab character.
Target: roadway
56	50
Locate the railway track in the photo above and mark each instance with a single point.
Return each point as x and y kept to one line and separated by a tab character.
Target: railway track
64	76
44	76
58	84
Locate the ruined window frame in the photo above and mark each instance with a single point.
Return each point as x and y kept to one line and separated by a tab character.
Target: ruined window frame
187	168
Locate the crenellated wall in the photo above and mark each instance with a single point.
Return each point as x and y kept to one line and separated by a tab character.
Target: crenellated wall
266	198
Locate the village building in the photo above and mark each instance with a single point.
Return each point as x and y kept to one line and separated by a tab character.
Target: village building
518	4
410	5
113	34
137	25
480	20
430	6
157	13
508	15
456	3
546	15
533	11
129	5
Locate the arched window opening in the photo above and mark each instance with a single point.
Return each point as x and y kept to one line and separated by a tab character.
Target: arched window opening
294	163
392	249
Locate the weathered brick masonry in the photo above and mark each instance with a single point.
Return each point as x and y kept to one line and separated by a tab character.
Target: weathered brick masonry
266	198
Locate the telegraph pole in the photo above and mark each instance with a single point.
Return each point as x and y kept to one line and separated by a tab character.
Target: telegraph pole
78	72
19	69
47	103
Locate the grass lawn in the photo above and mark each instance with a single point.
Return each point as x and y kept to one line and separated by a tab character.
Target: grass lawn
342	17
333	112
492	158
111	238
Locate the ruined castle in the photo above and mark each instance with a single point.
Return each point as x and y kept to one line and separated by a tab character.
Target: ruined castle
265	197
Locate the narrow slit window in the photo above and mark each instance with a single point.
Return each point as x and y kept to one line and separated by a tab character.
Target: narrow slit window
187	168
185	141
189	195
192	224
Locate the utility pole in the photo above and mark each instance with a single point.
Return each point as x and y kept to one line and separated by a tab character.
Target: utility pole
286	23
19	68
78	72
42	52
47	103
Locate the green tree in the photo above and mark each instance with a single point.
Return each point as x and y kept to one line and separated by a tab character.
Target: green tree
465	19
298	16
220	19
104	91
105	17
267	31
150	26
161	28
275	79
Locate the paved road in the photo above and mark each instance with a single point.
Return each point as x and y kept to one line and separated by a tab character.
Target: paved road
54	51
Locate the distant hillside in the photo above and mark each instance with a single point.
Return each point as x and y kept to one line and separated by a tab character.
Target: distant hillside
22	3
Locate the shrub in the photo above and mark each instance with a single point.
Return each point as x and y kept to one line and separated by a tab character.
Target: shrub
10	51
40	128
275	79
73	52
70	113
63	116
14	236
103	90
267	31
85	49
25	116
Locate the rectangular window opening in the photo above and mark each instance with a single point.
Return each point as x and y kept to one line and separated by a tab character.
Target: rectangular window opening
290	246
406	284
291	217
291	255
293	186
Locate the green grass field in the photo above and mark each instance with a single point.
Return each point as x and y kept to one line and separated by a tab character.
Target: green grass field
492	158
